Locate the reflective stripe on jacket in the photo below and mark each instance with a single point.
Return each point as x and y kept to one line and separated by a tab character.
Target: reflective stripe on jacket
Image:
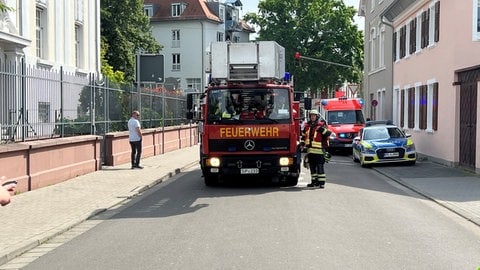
321	134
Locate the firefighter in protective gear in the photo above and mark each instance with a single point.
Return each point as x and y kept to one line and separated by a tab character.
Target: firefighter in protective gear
315	139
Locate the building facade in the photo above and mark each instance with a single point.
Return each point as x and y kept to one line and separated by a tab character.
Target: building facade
378	67
48	50
435	56
186	29
51	34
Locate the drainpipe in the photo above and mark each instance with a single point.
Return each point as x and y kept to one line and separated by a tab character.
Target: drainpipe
98	64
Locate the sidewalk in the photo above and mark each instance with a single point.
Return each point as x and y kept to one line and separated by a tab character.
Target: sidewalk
453	188
36	216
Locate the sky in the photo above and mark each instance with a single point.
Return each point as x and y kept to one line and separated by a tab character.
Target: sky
251	6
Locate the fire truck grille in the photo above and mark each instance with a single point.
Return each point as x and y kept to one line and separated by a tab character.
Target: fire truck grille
248	145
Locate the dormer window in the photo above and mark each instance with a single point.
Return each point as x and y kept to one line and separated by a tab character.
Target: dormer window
148	10
177	9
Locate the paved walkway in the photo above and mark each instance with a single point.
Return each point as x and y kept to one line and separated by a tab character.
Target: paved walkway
36	216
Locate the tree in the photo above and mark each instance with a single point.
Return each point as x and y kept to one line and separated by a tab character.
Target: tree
126	30
320	29
4	8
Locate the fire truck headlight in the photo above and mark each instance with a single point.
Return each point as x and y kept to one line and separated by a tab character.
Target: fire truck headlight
213	162
285	161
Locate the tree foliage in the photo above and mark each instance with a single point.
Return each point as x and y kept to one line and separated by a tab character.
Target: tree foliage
127	31
4	8
320	29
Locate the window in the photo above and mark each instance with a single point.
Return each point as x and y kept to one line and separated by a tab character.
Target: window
222	13
418	26
416	106
40	32
194	83
419	106
177	9
432	105
79	14
78	45
476	20
148	10
220	36
380	110
372	49
175	38
176	62
381	54
431	26
396	105
44	112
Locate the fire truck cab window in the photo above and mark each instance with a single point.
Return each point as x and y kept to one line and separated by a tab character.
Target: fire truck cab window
227	105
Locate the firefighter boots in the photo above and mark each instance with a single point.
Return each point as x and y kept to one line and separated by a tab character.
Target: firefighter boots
314	183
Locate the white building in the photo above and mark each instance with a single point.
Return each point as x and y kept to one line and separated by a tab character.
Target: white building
186	29
48	50
51	34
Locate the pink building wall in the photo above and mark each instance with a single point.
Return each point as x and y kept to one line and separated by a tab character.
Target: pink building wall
454	51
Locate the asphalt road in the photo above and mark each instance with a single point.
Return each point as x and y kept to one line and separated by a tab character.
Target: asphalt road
362	220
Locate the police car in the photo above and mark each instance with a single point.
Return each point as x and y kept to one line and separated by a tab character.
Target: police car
383	142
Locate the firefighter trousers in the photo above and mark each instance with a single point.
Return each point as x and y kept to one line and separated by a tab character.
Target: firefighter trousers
317	171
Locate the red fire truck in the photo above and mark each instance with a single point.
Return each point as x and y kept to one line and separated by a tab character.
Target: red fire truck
250	123
344	118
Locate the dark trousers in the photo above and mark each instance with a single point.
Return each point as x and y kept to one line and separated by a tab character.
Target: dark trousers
317	170
136	152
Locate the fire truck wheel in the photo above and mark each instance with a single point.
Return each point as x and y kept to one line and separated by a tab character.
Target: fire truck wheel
210	179
291	181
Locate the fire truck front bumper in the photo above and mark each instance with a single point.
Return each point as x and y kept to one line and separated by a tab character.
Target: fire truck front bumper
261	165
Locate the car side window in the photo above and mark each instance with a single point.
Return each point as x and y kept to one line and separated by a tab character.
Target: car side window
395	133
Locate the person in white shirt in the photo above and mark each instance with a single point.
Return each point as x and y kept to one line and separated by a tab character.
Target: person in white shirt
135	138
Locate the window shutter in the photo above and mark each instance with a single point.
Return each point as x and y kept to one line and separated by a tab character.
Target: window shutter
394	46
437	21
423	107
411	107
402	108
413	36
435	107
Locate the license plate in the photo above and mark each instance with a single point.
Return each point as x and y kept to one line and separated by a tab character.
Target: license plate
392	154
249	171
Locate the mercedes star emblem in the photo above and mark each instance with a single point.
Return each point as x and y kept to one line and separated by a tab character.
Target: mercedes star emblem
249	145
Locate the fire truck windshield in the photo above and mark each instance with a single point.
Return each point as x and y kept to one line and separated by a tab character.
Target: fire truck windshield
262	105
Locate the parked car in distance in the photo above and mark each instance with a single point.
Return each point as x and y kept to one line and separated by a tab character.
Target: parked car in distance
383	142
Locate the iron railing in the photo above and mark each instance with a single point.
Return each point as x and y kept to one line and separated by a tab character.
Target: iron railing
38	103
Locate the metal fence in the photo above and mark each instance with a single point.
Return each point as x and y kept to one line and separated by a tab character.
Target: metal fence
38	104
